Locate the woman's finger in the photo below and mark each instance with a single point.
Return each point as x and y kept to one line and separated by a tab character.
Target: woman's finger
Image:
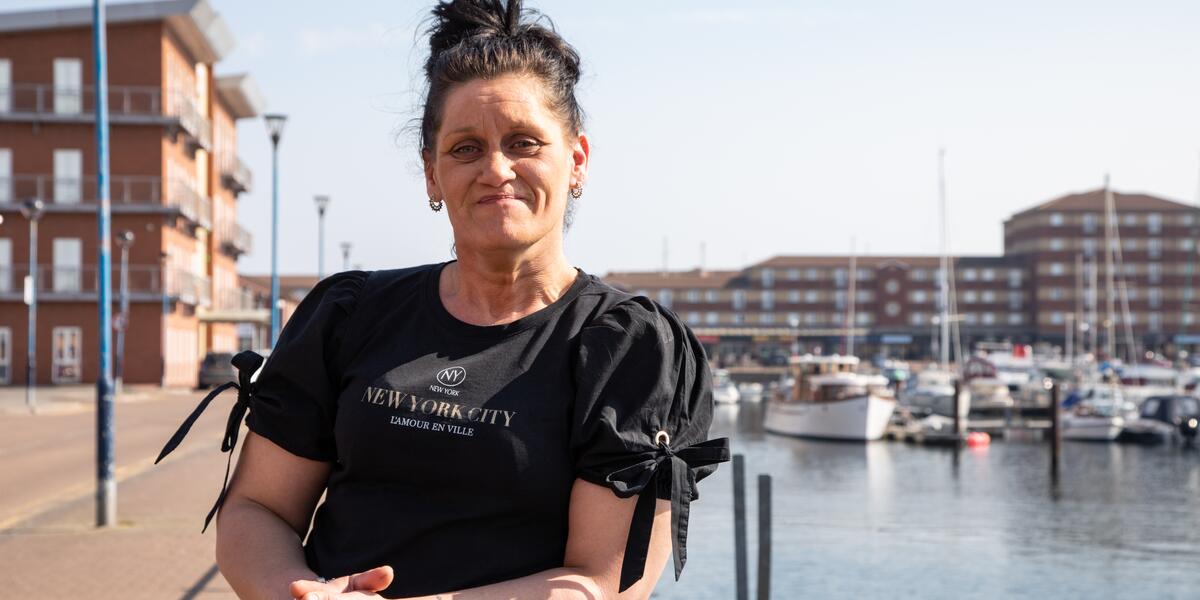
301	587
374	580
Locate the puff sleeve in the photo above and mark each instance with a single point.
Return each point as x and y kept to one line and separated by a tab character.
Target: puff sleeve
293	402
295	397
643	408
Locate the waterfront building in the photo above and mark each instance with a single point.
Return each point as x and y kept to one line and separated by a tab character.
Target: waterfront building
175	182
1028	295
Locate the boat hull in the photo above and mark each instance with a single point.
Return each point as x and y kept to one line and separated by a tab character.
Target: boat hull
1092	429
862	418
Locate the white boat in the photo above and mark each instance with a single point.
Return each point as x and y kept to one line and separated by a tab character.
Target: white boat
1100	415
724	391
750	391
829	400
932	392
1143	381
989	395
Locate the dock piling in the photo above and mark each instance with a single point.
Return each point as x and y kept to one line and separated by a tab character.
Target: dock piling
739	526
1055	429
764	537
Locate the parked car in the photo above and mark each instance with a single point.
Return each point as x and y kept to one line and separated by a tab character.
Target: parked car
215	369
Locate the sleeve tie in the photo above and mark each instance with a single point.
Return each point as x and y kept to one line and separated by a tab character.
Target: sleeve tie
246	363
665	467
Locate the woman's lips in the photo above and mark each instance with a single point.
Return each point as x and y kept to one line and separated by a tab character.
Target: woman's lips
498	198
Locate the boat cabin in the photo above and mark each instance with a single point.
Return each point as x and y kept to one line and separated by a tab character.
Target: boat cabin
1171	409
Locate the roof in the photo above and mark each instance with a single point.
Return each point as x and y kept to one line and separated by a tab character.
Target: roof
203	32
291	287
241	95
1093	200
672	279
865	262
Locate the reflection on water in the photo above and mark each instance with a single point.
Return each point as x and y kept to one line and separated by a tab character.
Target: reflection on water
855	520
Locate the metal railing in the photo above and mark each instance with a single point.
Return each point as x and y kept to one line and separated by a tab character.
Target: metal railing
57	282
124	190
234	237
239	299
236	175
46	100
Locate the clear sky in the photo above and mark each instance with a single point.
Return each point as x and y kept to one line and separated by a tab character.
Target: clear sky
756	127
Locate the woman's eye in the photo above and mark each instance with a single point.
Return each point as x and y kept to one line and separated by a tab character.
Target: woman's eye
526	145
464	150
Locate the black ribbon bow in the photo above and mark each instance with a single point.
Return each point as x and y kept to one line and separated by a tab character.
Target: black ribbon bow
246	363
642	478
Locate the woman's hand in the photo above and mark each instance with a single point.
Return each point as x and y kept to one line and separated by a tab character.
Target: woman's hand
359	585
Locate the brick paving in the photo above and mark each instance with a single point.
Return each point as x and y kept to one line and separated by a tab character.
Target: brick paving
49	547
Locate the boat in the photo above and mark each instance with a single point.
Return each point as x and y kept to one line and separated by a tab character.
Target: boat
990	395
931	392
830	400
1164	420
1142	381
1099	416
724	390
750	391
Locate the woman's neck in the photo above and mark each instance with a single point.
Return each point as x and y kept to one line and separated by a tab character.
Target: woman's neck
491	289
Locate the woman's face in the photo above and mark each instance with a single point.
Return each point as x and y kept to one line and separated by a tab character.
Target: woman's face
503	162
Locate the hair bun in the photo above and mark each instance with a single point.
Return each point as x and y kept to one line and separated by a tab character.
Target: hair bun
457	20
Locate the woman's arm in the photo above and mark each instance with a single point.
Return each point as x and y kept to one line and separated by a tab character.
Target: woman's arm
599	525
263	520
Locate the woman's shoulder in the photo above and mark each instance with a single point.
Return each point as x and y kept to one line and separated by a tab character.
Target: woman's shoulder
628	314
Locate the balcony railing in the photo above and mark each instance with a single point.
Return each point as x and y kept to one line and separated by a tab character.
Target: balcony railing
125	192
126	104
82	283
236	175
238	299
234	239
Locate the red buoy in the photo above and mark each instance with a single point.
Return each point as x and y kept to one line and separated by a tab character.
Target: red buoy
978	439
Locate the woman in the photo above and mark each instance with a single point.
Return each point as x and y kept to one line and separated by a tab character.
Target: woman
496	426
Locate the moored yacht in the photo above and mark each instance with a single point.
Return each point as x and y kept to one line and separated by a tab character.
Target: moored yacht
829	400
1100	415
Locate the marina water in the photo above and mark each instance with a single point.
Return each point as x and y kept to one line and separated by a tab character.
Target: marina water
888	519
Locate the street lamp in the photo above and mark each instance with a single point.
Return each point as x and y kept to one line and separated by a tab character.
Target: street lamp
345	256
32	208
125	240
322	203
275	129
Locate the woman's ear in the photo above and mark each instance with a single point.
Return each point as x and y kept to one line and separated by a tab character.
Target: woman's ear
580	155
431	186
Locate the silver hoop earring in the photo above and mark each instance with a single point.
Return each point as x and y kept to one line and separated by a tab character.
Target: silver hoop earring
577	191
435	205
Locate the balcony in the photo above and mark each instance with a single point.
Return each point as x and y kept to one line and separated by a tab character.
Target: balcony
146	283
127	194
236	176
235	240
130	105
236	306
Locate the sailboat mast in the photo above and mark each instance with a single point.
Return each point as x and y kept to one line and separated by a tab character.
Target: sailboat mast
1110	216
853	298
1078	330
944	272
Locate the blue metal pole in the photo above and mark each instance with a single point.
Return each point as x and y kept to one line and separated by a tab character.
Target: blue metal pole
106	485
274	241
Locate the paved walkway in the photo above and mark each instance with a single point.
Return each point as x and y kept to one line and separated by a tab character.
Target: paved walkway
49	547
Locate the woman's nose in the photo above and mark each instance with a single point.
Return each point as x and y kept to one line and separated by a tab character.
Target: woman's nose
497	169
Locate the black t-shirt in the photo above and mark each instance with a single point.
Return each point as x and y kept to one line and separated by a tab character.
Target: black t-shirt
455	446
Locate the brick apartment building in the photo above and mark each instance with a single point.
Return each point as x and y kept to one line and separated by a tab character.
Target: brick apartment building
175	181
1028	296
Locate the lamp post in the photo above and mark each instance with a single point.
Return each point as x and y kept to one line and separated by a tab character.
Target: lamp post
32	209
125	240
322	203
275	129
345	256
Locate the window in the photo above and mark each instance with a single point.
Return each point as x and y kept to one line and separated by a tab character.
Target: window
968	275
793	319
1057	318
1132	292
1187	318
5	85
693	318
988	318
1154	321
1187	219
6	265
1186	244
1055	293
812	296
1154	223
970	318
1154	248
1154	272
813	274
793	274
839	299
768	300
987	297
711	296
767	318
712	318
793	296
918	275
865	274
916	319
1014	278
1154	297
1015	318
839	275
863	296
665	297
1130	220
1058	269
68	254
768	277
970	297
6	174
892	286
68	86
739	299
1090	245
1090	221
68	176
693	295
1056	219
1057	244
1130	244
892	309
1014	300
811	318
739	318
988	274
918	297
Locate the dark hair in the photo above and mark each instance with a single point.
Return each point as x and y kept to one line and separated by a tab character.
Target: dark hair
484	39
